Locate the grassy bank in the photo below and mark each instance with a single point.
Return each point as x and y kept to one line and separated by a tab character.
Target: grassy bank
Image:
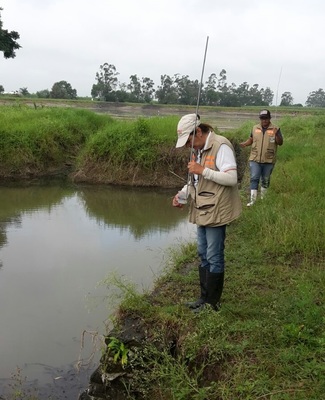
44	141
87	146
268	341
37	142
140	152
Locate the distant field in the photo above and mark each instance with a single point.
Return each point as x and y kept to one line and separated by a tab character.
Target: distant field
224	118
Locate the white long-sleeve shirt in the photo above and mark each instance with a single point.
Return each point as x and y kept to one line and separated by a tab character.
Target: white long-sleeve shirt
226	165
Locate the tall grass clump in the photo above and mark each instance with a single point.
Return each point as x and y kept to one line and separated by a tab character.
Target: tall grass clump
140	152
38	139
132	142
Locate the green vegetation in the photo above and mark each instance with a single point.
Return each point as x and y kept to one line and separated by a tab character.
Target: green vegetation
118	351
36	141
268	341
95	148
18	390
176	89
140	151
131	142
8	41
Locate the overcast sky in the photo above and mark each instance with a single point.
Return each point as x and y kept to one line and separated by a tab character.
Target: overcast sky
275	43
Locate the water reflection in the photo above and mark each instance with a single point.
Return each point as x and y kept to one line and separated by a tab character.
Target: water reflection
140	211
134	209
16	201
57	243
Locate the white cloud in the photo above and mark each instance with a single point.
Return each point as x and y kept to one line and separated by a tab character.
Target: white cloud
252	40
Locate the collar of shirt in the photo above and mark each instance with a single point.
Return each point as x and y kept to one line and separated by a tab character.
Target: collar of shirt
207	141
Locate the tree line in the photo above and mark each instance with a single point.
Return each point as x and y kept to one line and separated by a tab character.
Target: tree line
176	89
179	89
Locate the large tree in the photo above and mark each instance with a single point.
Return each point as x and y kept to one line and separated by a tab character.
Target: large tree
106	84
187	90
316	99
8	41
134	88
63	90
243	94
210	97
255	96
286	99
147	88
167	91
24	91
43	94
222	81
267	96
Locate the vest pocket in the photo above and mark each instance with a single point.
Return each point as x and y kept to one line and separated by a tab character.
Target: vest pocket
206	204
205	200
269	154
207	218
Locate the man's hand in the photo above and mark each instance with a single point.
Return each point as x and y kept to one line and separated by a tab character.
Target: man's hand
175	202
195	168
248	142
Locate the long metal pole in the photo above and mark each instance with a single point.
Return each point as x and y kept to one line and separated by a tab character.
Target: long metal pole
199	92
197	111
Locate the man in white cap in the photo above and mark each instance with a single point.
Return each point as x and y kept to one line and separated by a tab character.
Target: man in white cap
264	139
215	201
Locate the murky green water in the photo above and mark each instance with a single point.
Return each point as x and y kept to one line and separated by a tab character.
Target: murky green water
56	243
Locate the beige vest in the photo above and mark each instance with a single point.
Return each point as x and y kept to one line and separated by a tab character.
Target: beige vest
264	147
213	204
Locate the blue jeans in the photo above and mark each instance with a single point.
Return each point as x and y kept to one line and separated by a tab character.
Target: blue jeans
211	246
260	171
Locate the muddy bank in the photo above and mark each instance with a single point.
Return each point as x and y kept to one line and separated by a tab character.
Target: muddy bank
112	379
169	175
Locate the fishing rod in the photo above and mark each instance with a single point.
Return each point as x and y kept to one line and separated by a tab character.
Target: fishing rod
199	93
181	200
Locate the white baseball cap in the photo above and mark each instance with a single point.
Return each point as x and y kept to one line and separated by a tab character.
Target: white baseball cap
186	125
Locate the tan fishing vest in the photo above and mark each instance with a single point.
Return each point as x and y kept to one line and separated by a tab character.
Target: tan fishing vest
213	204
264	147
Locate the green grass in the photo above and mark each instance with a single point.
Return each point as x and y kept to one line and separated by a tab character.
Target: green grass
38	139
129	142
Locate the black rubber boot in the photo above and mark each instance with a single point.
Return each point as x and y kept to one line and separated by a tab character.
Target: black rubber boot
203	286
214	292
215	288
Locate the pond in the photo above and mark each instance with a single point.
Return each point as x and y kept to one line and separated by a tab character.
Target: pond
58	242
